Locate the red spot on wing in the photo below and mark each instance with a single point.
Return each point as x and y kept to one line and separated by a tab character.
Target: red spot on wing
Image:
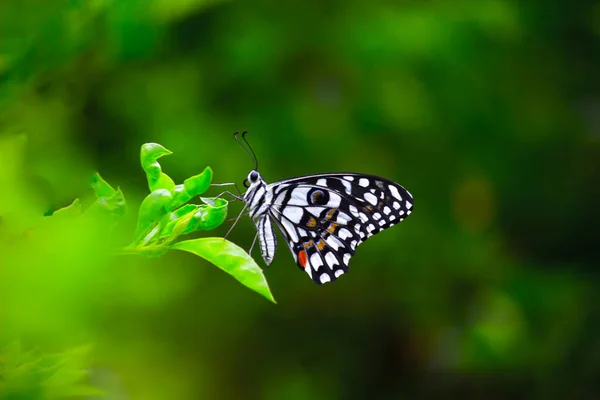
302	258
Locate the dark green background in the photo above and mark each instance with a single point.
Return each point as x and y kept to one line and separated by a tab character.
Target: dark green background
487	111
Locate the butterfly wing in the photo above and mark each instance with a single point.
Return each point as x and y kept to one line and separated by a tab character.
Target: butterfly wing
325	217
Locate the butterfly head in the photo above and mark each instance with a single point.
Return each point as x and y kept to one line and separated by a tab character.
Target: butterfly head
253	179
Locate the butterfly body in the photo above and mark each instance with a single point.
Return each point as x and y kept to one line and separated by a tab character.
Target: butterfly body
324	217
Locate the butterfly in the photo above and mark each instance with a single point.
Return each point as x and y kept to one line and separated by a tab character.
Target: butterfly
323	217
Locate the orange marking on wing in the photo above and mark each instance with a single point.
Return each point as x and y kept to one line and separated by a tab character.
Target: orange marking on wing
302	258
311	222
321	244
308	244
332	227
330	213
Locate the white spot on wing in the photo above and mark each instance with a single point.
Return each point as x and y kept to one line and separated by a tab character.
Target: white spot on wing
294	214
376	216
315	211
309	272
395	192
353	244
353	211
279	198
298	197
371	198
334	200
364	182
338	273
289	227
324	278
316	261
363	217
408	204
347	186
322	182
382	222
370	228
387	210
343	218
396	205
344	234
349	178
331	260
345	259
392	217
334	243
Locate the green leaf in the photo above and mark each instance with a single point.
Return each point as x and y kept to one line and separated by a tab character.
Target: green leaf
114	204
181	211
174	218
231	259
214	214
100	187
192	187
205	217
156	178
70	211
153	208
180	226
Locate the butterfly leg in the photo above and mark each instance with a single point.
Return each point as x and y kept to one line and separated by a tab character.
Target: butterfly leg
253	243
229	194
243	215
236	221
239	193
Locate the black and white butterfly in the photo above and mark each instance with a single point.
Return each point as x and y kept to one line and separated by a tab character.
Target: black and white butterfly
324	217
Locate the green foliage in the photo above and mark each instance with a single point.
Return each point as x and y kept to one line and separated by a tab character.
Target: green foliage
29	375
163	217
231	259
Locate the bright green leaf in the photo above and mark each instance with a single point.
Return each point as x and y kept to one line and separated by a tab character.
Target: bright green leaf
205	218
193	186
180	226
101	187
174	218
156	178
151	152
180	196
152	209
231	259
213	215
114	204
72	210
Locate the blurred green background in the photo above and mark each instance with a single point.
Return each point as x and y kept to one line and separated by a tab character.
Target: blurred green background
487	111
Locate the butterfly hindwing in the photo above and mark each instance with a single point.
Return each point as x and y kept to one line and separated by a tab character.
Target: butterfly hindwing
325	217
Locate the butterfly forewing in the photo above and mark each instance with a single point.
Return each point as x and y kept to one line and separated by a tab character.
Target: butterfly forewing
325	217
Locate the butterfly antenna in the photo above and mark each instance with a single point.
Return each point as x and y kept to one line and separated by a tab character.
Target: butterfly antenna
248	148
